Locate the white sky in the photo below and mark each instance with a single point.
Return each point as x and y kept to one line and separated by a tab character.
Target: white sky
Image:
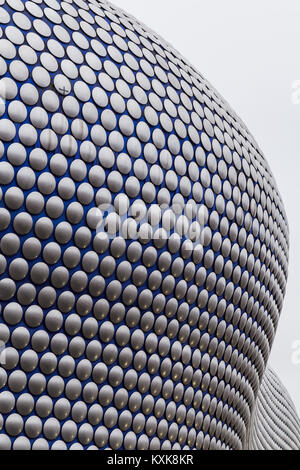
250	51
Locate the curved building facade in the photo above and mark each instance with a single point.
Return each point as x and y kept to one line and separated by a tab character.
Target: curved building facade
143	240
275	422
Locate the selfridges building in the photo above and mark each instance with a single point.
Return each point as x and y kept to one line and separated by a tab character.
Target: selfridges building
143	245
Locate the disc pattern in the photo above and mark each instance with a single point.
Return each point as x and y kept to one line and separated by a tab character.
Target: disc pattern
143	342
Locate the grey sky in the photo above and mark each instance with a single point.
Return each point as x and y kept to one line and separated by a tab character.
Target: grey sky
250	51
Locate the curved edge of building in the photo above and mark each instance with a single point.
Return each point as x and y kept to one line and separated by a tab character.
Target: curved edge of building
275	423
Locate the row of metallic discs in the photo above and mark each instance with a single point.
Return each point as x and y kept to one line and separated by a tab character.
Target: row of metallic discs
167	109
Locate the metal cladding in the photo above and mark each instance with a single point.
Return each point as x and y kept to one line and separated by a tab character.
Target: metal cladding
143	241
275	423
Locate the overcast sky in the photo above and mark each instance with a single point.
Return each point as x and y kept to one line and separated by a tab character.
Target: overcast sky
250	51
